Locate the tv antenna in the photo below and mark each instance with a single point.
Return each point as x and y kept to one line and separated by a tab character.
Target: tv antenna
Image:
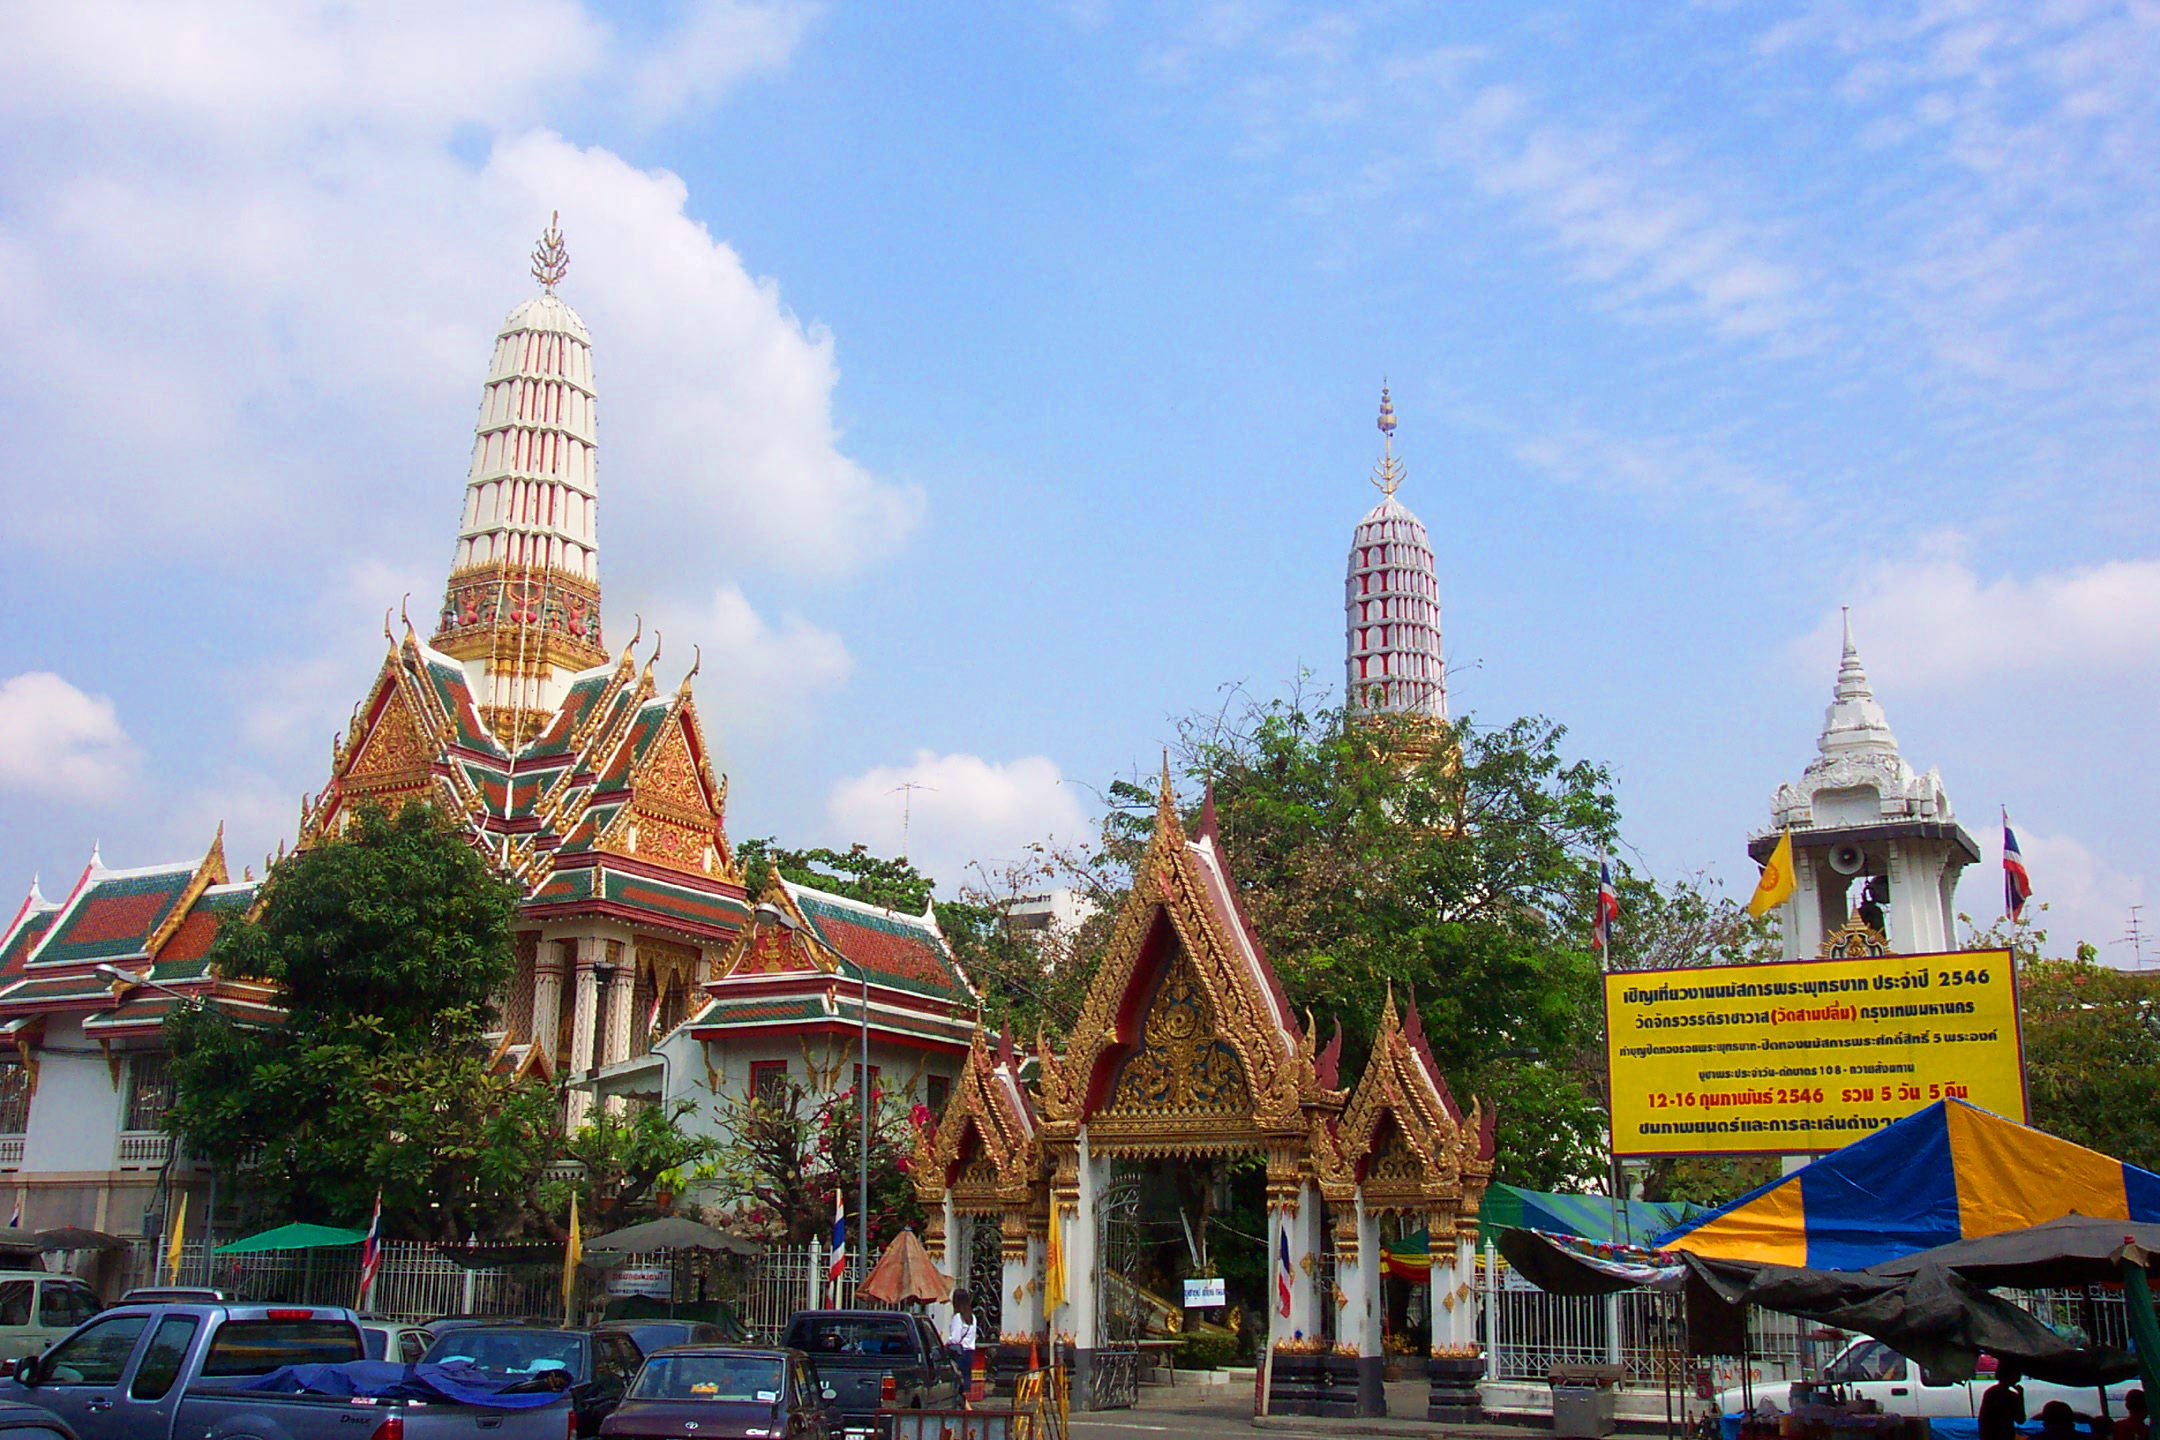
2134	936
907	809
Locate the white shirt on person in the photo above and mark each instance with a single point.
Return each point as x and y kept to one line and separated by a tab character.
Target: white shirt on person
961	1333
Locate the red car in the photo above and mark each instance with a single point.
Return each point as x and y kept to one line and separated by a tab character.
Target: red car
721	1392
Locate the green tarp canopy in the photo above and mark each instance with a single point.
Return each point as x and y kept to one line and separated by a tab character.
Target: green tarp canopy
1510	1207
1588	1217
293	1237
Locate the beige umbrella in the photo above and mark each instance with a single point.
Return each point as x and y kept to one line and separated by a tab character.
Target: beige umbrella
904	1272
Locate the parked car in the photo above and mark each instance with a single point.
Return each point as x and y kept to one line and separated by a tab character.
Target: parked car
722	1392
159	1372
651	1335
28	1422
874	1358
394	1340
442	1325
37	1308
597	1365
1871	1370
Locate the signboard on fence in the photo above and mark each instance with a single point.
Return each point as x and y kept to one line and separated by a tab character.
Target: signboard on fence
1806	1055
655	1280
1205	1294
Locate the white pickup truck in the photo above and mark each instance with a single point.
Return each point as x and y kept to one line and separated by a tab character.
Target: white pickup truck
1871	1370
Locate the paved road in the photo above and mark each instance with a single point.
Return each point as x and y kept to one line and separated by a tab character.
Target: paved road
1224	1412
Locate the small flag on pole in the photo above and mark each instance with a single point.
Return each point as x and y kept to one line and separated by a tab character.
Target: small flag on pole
1053	1283
172	1246
1778	879
652	1021
573	1252
839	1238
1608	908
1283	1271
2017	883
370	1255
15	1220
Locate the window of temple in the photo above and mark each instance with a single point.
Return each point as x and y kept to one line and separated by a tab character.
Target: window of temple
149	1092
769	1081
936	1090
14	1096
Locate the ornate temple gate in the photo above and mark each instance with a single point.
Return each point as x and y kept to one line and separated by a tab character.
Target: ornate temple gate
985	1274
1186	1050
1119	1247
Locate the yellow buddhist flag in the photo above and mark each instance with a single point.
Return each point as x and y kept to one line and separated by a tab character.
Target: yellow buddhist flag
573	1252
172	1246
1053	1291
1778	880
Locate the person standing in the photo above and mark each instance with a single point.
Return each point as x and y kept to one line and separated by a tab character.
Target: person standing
2133	1425
960	1337
2002	1408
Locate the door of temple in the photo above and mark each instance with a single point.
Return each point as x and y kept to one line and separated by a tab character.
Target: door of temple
986	1279
1119	1248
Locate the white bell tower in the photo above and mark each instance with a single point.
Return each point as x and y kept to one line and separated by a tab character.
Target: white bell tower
1872	839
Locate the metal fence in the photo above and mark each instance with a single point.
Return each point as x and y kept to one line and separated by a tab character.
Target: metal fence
419	1281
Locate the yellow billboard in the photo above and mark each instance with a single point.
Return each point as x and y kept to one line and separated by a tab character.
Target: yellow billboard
1806	1055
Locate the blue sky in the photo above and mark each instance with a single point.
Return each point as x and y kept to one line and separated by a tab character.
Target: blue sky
983	387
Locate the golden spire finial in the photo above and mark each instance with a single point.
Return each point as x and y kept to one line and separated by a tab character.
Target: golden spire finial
551	258
1388	475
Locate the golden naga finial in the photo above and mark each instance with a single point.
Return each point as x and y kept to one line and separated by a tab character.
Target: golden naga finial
1388	474
551	258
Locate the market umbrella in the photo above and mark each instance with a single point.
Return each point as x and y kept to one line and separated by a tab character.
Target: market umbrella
671	1233
904	1272
74	1237
293	1237
2075	1250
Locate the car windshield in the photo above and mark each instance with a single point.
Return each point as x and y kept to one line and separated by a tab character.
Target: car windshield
709	1377
512	1352
853	1335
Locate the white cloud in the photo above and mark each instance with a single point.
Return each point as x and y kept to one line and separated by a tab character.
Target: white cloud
2087	899
55	740
947	812
250	299
757	677
1935	623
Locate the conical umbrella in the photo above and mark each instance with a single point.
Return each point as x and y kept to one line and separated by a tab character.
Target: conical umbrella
904	1272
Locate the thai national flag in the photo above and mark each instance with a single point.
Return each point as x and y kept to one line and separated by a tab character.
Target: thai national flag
371	1250
2017	884
1283	1272
1608	908
839	1237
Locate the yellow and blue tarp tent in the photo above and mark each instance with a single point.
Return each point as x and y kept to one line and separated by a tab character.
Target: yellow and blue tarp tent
1950	1172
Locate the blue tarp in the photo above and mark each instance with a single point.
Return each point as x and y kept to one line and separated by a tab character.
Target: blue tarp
386	1379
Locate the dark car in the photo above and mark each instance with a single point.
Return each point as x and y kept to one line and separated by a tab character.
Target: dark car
651	1335
596	1366
28	1422
722	1392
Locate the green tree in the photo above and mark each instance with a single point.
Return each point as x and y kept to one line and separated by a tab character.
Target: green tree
624	1157
387	943
785	1152
853	872
2092	1042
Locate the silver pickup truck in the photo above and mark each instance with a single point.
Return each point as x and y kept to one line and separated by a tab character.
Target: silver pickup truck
176	1372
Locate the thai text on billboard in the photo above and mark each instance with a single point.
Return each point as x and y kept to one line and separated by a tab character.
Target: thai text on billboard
1806	1055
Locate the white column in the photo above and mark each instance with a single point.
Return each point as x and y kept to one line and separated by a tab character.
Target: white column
547	996
1021	1272
584	1012
621	985
1078	1315
1360	1281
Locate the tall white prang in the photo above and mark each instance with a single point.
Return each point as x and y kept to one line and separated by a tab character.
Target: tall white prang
522	607
1391	603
